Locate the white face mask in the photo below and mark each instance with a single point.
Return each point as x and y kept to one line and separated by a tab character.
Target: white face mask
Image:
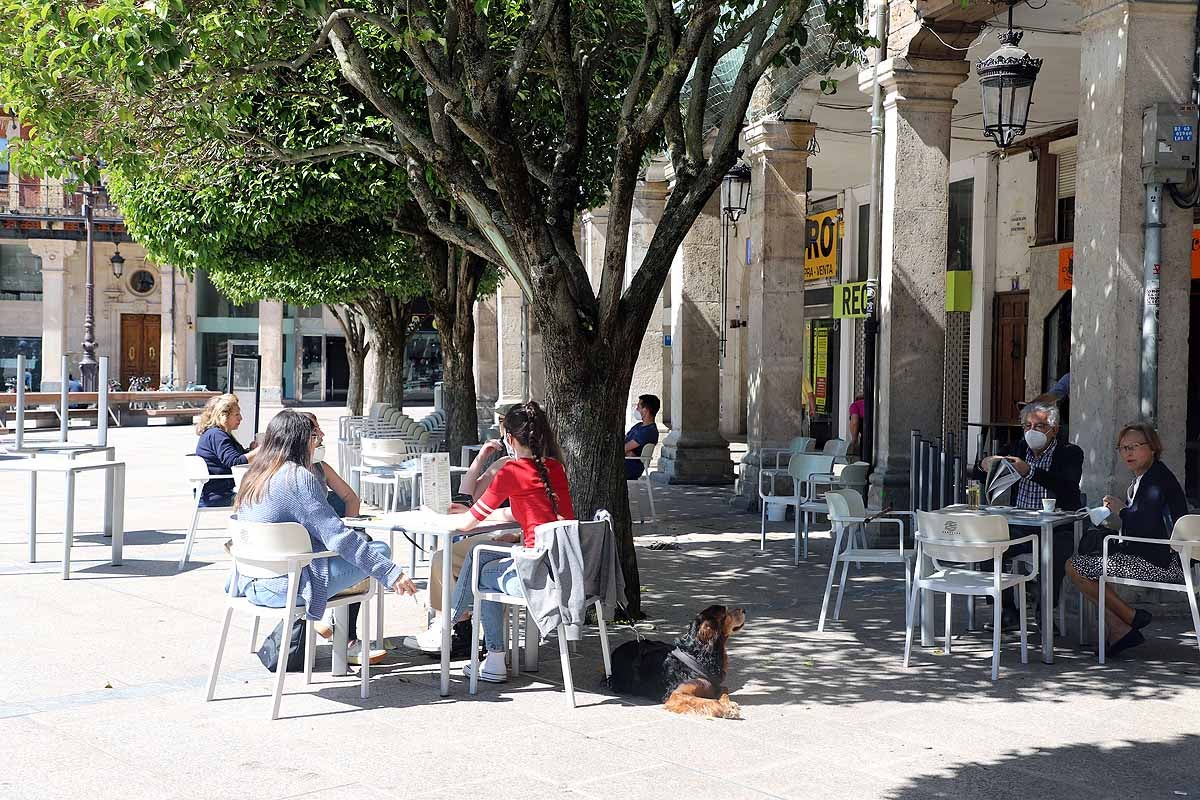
318	454
1036	439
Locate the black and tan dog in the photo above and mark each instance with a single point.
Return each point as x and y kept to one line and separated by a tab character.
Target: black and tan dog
687	676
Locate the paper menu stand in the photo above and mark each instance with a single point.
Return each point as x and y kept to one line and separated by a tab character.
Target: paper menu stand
1001	477
435	481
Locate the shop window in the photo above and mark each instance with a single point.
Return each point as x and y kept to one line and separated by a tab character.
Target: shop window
10	348
211	303
864	240
20	273
959	237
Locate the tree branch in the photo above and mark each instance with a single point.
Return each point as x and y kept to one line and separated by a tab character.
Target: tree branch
528	44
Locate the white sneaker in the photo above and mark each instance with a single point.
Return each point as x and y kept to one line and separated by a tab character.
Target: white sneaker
428	640
494	669
354	656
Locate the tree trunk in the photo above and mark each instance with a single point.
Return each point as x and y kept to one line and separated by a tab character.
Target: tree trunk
454	277
587	384
458	386
357	359
350	318
388	318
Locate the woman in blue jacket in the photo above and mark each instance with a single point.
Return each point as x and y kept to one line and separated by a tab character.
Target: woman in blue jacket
219	449
1154	502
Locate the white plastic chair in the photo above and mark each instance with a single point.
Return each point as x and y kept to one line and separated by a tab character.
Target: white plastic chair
954	543
268	550
800	468
836	448
542	533
848	516
1185	541
840	477
195	472
379	456
239	472
644	481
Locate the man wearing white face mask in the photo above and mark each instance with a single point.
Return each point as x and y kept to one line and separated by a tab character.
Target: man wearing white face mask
1049	469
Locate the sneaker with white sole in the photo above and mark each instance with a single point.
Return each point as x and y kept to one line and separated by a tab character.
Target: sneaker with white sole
428	640
494	669
354	656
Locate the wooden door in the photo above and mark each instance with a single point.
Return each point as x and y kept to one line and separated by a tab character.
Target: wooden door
1010	322
140	334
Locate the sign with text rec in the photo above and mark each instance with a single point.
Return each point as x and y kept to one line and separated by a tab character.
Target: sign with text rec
822	235
850	300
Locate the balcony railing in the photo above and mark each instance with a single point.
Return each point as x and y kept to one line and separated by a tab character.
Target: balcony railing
51	199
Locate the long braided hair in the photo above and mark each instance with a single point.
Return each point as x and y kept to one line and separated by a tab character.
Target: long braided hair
529	425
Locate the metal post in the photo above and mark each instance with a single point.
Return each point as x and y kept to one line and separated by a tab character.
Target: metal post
914	466
956	497
874	242
102	405
723	337
935	475
1151	267
20	402
87	364
171	365
63	404
921	477
947	476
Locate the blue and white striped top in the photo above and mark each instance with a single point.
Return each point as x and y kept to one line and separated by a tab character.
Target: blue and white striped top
296	495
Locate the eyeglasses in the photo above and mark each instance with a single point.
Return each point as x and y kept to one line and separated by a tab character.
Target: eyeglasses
1044	427
1130	448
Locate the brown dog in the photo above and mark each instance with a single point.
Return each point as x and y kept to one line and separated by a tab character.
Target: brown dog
687	676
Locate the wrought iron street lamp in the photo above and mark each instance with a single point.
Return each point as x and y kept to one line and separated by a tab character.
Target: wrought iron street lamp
118	263
1006	78
735	198
88	365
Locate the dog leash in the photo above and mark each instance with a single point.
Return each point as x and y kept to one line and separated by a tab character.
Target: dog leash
690	662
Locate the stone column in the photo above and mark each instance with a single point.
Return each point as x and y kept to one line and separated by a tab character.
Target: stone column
695	452
55	275
594	238
486	360
168	276
649	199
1132	54
918	102
778	157
270	349
511	387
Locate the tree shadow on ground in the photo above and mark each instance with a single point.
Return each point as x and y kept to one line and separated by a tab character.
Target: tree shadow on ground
1120	769
780	658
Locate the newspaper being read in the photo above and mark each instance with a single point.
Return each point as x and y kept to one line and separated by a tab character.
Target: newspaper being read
1002	475
435	481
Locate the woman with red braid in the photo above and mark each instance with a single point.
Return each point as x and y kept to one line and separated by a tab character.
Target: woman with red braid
535	485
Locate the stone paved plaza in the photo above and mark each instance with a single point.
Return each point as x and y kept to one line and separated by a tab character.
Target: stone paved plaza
101	684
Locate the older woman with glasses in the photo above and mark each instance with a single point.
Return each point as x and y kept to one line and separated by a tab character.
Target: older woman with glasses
1153	503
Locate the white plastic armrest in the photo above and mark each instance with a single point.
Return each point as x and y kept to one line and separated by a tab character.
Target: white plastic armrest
509	550
1033	540
1118	537
909	514
769	473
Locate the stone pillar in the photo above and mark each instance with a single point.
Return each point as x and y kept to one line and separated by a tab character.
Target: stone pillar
594	238
778	157
918	102
649	199
1132	54
510	370
486	360
55	275
695	452
168	276
270	349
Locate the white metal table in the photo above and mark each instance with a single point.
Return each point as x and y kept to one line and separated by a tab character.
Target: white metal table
427	523
114	500
1046	523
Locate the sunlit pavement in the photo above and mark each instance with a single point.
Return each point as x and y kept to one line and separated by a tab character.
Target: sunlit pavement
102	676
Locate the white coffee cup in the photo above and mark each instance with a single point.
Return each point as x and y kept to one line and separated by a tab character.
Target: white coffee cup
1048	504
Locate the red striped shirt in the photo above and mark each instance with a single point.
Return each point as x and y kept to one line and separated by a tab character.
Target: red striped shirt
519	483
